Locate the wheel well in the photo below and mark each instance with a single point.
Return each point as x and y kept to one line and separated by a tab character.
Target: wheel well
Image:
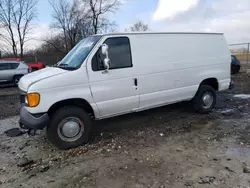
211	82
17	75
72	102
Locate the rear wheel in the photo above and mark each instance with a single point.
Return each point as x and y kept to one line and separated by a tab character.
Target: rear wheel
205	99
235	69
70	127
16	79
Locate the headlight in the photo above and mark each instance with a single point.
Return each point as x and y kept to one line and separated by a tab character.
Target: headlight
33	99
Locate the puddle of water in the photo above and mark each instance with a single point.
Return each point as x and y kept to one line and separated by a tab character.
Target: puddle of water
242	96
8	123
246	115
239	151
228	120
226	110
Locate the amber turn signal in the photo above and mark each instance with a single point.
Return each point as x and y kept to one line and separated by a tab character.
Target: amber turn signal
33	99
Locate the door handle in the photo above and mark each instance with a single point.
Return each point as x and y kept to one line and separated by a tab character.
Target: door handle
135	82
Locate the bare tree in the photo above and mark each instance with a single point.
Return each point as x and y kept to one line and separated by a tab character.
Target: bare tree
77	19
54	44
15	21
99	9
107	26
72	20
138	26
6	7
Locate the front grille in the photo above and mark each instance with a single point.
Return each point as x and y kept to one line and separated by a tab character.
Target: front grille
22	99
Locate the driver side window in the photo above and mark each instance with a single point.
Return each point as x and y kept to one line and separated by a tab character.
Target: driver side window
119	54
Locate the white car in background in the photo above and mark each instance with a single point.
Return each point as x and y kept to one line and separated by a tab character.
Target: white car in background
12	71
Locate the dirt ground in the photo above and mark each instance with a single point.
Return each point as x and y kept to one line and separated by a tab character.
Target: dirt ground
170	146
9	101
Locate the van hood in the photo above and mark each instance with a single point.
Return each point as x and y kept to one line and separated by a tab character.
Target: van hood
31	78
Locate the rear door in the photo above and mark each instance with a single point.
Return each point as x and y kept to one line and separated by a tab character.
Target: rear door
6	72
115	92
21	69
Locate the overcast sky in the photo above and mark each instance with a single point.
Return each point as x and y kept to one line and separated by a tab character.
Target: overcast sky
231	17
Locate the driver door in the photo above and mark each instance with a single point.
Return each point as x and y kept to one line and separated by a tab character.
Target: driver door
114	91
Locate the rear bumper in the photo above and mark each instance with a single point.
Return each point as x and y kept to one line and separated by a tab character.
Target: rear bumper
29	121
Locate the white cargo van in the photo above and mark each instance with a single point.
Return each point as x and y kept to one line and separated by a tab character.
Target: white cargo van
113	74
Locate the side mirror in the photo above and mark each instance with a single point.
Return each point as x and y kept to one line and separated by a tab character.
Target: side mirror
106	64
105	49
106	59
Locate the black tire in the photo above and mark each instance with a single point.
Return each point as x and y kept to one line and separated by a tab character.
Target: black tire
235	69
198	102
16	79
58	117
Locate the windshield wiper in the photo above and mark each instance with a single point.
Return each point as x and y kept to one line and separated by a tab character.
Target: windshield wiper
65	66
69	68
62	65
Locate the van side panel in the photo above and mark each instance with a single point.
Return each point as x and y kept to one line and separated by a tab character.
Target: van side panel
170	67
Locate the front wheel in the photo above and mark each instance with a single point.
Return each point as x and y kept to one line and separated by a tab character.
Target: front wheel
205	99
70	127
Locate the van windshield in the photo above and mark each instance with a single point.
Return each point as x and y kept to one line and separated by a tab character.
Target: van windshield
74	59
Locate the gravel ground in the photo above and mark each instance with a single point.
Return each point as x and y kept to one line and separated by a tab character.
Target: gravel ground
8	90
165	147
9	101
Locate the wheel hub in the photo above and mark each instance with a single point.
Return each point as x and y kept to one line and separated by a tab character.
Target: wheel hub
207	100
70	129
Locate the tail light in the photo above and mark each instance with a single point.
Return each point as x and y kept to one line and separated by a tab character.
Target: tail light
29	70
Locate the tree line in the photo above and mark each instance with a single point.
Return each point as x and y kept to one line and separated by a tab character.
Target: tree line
72	19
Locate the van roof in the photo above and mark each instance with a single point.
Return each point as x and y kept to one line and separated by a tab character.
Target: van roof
145	33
